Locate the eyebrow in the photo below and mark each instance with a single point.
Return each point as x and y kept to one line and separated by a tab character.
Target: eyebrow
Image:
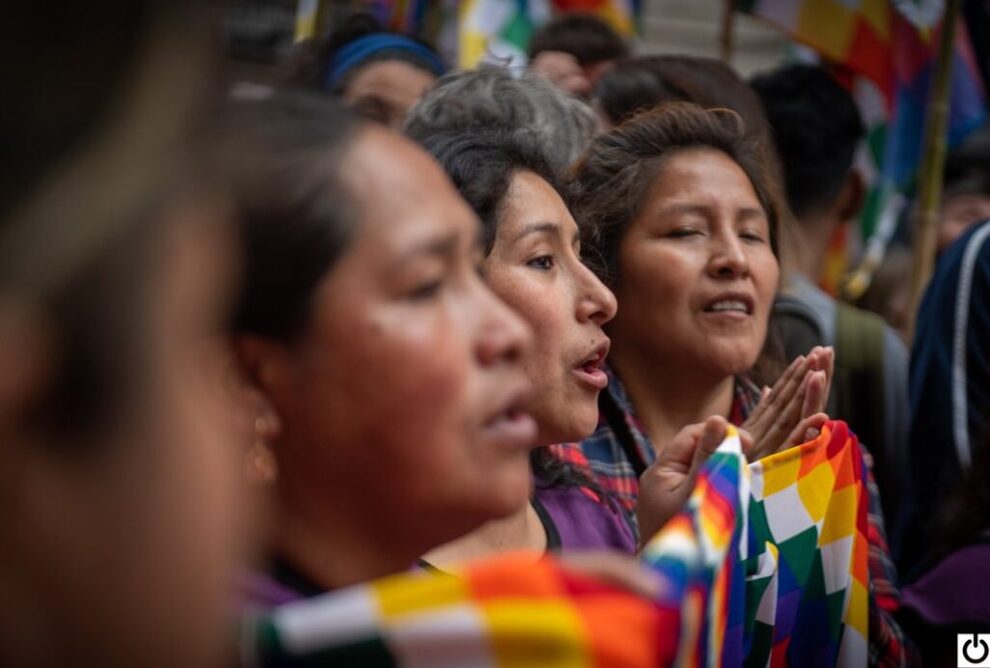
702	210
537	228
443	247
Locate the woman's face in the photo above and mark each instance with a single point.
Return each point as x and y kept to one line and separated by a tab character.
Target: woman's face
697	275
385	90
406	392
535	267
124	544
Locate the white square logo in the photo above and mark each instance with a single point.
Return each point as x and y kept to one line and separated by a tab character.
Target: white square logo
973	649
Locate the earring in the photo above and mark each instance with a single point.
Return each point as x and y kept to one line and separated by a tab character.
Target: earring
260	465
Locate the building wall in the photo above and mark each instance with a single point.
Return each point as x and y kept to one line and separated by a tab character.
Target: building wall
693	27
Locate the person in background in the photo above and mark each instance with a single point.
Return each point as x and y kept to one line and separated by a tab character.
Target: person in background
679	207
574	50
379	74
947	551
816	132
490	97
889	292
950	388
119	513
638	84
965	188
533	263
385	379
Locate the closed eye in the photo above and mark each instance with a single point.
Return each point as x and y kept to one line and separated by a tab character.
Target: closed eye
425	291
682	232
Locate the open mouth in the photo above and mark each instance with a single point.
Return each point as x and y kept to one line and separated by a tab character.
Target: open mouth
513	427
741	305
591	370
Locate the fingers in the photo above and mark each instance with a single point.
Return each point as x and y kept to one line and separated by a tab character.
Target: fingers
617	569
679	453
806	430
780	397
713	433
815	393
746	439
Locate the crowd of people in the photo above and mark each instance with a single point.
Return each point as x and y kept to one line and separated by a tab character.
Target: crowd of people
397	318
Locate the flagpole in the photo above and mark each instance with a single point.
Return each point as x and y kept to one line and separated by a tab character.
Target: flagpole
925	215
727	33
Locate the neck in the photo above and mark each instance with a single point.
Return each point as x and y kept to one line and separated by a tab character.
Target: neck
520	531
667	398
335	549
806	246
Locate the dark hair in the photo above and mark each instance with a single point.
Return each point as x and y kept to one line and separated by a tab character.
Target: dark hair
816	129
95	159
313	59
967	167
491	98
585	36
634	85
283	158
962	517
616	174
482	164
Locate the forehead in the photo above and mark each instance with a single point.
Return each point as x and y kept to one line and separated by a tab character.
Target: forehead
400	190
705	173
393	81
531	198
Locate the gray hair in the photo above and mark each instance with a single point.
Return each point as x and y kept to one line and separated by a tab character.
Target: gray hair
491	98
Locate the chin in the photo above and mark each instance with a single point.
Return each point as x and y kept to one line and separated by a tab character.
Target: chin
508	494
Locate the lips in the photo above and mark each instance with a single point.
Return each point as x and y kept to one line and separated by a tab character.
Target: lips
591	369
734	303
512	427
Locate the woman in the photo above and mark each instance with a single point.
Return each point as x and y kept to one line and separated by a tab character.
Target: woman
118	513
377	73
491	97
681	211
950	394
384	377
532	262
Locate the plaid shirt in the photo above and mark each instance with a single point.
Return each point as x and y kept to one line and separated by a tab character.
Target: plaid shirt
619	448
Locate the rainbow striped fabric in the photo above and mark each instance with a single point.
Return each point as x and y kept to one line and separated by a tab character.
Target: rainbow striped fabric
766	565
889	47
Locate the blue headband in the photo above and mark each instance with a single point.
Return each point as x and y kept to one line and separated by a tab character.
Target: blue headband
360	50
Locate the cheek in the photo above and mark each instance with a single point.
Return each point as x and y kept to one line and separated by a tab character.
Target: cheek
656	281
545	306
415	379
766	277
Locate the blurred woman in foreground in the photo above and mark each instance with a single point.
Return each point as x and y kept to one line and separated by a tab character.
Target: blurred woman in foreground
118	511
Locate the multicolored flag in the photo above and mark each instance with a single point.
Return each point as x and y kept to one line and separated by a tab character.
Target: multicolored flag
405	16
623	15
889	48
765	565
500	30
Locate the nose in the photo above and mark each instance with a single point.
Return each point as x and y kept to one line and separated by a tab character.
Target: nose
728	257
596	302
502	336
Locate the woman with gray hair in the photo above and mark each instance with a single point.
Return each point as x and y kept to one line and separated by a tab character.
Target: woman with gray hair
490	98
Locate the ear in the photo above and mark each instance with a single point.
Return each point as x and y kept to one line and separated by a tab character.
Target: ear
851	197
258	381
